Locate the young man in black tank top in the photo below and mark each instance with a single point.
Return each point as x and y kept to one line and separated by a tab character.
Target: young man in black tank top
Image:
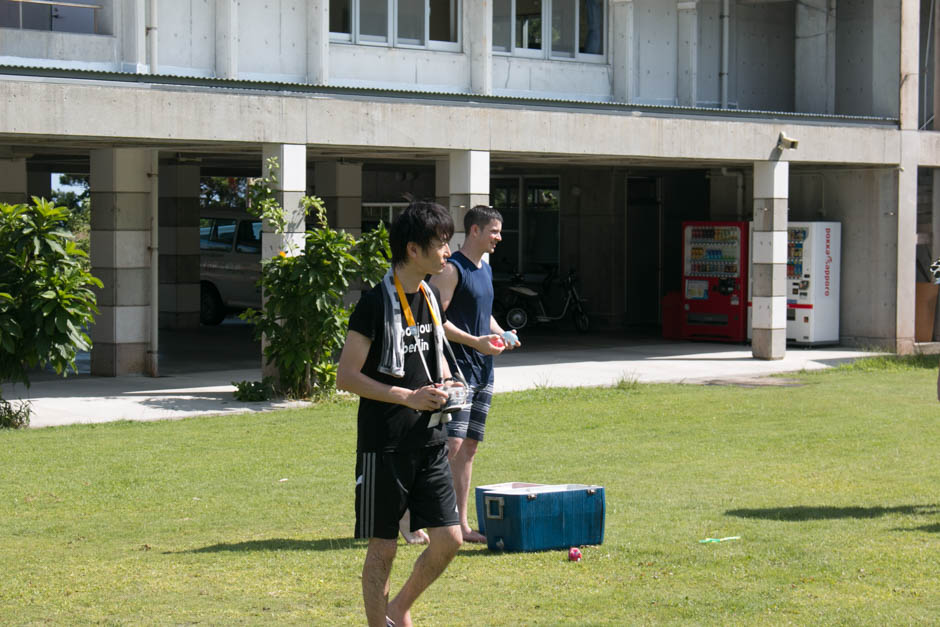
466	287
393	360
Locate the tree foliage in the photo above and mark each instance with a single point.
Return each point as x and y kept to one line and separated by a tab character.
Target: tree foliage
46	300
304	318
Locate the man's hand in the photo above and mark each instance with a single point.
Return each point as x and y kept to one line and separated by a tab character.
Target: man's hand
510	346
491	344
427	398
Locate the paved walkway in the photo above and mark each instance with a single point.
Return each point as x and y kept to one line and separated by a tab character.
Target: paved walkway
199	370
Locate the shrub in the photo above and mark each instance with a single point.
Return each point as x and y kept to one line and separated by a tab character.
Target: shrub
303	317
46	300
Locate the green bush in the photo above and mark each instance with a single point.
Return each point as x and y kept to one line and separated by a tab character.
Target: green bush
45	291
303	317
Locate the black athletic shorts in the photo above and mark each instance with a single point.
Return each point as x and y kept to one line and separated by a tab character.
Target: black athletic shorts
389	483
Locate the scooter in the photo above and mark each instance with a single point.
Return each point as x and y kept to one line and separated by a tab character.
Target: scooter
524	305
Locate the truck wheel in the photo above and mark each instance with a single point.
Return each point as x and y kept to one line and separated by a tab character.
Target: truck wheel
211	307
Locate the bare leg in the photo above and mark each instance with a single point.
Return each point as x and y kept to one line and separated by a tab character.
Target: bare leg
460	453
430	564
375	577
404	526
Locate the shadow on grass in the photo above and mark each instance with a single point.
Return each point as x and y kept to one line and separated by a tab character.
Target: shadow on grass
282	544
927	528
805	513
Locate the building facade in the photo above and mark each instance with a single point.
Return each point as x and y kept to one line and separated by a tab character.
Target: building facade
596	126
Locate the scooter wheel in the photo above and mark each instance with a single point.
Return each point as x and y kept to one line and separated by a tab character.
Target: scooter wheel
582	322
516	318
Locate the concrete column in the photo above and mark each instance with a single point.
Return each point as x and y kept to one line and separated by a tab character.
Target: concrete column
179	247
769	257
120	257
623	50
340	187
910	65
687	72
318	42
134	36
815	54
13	181
907	240
226	38
479	19
290	188
468	183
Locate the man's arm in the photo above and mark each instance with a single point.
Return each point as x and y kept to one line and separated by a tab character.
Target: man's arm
446	283
349	377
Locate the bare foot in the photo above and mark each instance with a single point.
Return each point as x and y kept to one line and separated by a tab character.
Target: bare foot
418	537
400	620
469	535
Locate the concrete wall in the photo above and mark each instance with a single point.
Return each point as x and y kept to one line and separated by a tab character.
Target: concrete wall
656	25
867	57
400	68
187	38
764	56
516	76
865	203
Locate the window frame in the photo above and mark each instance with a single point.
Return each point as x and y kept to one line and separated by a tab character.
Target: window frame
546	52
392	40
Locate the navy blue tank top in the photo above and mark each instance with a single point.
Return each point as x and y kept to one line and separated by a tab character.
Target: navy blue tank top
470	309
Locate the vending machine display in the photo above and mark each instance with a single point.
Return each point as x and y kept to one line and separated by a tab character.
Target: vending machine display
814	252
714	280
813	268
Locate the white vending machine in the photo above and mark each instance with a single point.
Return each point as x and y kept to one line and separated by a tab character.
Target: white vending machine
814	253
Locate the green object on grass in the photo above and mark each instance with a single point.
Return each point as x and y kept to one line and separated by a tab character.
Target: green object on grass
708	540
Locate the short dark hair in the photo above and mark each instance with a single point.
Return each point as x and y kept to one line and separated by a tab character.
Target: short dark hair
481	215
420	222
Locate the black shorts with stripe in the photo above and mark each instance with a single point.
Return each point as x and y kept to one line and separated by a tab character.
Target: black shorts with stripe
389	483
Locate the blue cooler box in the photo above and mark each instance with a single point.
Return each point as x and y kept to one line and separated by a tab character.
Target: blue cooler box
483	489
543	517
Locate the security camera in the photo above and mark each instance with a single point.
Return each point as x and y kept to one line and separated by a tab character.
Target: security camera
787	143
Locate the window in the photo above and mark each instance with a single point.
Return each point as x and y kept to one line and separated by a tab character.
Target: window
412	23
375	212
216	233
74	16
573	29
531	226
249	237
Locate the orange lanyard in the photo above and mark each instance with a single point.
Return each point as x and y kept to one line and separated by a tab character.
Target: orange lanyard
406	308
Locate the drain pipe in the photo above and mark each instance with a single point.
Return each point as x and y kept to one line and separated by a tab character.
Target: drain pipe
723	73
152	352
152	37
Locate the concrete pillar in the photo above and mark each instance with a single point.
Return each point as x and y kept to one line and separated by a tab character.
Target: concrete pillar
468	183
769	257
13	181
442	182
479	20
226	38
687	71
623	50
910	65
907	175
179	247
134	36
340	187
318	42
290	188
815	56
120	257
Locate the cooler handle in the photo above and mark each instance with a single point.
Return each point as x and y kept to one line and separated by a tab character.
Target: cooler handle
488	502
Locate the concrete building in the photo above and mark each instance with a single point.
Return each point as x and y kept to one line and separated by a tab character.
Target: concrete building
596	126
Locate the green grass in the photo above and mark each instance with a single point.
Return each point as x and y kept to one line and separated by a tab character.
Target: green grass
833	486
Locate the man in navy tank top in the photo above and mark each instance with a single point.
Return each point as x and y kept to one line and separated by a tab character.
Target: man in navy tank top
466	288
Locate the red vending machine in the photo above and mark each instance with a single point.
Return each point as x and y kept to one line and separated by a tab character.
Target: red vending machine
714	281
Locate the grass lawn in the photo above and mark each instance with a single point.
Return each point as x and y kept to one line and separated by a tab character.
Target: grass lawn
833	487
